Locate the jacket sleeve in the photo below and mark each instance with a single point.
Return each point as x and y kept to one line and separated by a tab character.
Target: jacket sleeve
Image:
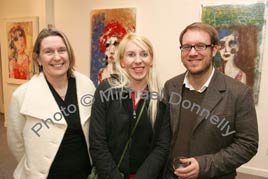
154	163
244	145
15	128
101	156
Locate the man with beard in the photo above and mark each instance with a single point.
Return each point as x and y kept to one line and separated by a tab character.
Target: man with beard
213	117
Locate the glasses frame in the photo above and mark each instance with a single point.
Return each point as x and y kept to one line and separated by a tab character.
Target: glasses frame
195	47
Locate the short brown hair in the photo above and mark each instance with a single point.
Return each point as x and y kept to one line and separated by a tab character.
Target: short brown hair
202	27
47	32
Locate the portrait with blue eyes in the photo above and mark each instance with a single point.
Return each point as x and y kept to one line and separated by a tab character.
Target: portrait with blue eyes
241	30
237	52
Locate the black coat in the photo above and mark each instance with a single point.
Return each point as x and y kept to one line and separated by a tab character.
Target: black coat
110	128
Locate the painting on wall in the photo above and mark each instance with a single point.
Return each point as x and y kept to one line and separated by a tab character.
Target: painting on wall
19	36
108	27
2	87
241	33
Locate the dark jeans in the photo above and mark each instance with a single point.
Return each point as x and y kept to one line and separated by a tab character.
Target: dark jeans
169	175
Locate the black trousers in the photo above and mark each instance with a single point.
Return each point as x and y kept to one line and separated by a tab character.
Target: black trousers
169	175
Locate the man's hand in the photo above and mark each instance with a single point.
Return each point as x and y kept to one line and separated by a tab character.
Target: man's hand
189	172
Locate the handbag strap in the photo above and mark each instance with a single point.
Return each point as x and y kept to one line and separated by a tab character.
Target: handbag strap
131	134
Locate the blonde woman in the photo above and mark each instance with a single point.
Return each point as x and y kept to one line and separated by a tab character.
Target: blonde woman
130	95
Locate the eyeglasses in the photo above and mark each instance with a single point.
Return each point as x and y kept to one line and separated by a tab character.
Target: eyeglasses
198	47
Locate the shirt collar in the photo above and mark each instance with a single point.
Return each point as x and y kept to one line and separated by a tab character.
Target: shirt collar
203	88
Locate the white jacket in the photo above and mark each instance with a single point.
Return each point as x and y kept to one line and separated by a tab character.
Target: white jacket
36	125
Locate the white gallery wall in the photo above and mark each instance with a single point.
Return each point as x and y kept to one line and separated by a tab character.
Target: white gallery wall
161	21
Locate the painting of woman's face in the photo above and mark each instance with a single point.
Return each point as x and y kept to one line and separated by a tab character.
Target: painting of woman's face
109	26
19	41
111	48
228	47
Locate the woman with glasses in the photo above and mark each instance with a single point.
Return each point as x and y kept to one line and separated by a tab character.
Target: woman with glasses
130	101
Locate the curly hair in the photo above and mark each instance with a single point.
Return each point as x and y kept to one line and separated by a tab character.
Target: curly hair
112	29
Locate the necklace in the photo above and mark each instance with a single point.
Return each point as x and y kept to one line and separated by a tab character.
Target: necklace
134	104
62	91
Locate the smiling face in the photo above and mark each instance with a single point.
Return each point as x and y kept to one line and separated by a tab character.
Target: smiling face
228	47
137	62
54	57
197	62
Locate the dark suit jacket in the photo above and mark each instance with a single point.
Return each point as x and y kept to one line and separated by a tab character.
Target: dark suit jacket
225	135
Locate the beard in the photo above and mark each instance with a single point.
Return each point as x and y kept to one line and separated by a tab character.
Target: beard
202	71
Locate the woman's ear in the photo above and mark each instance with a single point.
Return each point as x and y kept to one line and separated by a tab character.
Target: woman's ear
151	63
38	61
122	64
36	57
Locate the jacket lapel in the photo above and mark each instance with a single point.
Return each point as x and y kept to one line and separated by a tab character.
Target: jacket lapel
39	101
213	95
85	97
175	102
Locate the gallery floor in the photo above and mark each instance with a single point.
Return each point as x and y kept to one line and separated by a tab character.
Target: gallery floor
8	162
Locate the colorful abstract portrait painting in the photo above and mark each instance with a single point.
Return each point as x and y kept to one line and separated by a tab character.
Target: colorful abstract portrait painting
238	52
240	28
20	40
108	27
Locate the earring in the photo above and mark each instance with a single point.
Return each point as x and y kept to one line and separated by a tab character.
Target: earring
40	68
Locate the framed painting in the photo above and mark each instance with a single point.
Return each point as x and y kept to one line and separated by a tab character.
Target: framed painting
2	87
108	27
19	37
241	33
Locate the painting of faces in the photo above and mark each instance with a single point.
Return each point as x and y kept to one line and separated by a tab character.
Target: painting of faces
241	32
19	37
108	27
238	52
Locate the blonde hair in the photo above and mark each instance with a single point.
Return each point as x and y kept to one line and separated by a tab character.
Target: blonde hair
123	77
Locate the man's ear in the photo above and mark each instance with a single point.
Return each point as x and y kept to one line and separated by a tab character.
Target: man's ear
215	50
